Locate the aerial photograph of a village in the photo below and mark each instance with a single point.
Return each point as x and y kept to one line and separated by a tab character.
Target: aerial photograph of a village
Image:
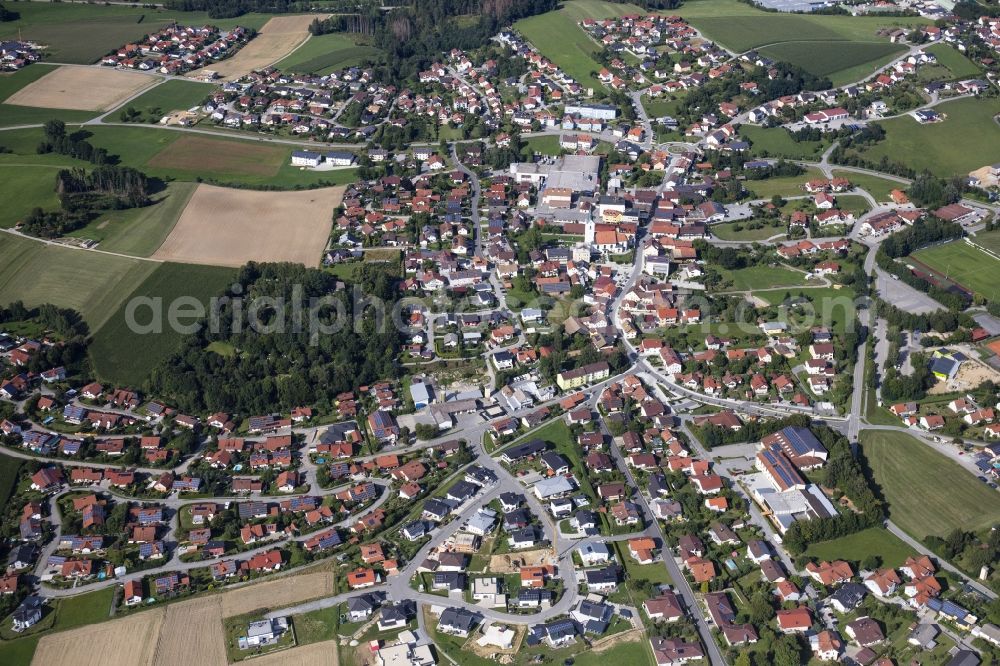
514	332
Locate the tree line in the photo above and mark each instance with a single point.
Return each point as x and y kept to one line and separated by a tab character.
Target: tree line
72	145
84	196
846	473
275	371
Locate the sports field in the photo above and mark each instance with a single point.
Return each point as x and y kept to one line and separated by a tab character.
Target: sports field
842	63
928	493
968	266
959	65
10	114
229	227
277	39
92	283
967	139
988	239
81	89
559	38
325	53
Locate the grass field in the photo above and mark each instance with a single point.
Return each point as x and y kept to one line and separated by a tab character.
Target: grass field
762	277
240	158
172	95
777	142
969	266
546	145
140	231
727	231
843	62
94	284
82	33
25	184
966	140
558	37
875	186
225	160
928	493
741	27
785	186
856	547
956	62
8	476
833	308
13	114
123	357
326	53
316	626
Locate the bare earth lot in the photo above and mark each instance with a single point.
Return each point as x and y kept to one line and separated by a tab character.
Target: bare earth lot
81	88
512	562
228	227
127	642
277	593
314	654
279	37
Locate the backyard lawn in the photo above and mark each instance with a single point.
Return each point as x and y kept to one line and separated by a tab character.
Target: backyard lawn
875	186
927	492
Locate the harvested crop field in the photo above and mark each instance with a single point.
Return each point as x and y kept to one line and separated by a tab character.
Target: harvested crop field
277	593
81	88
127	642
191	634
190	153
315	654
279	37
228	227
